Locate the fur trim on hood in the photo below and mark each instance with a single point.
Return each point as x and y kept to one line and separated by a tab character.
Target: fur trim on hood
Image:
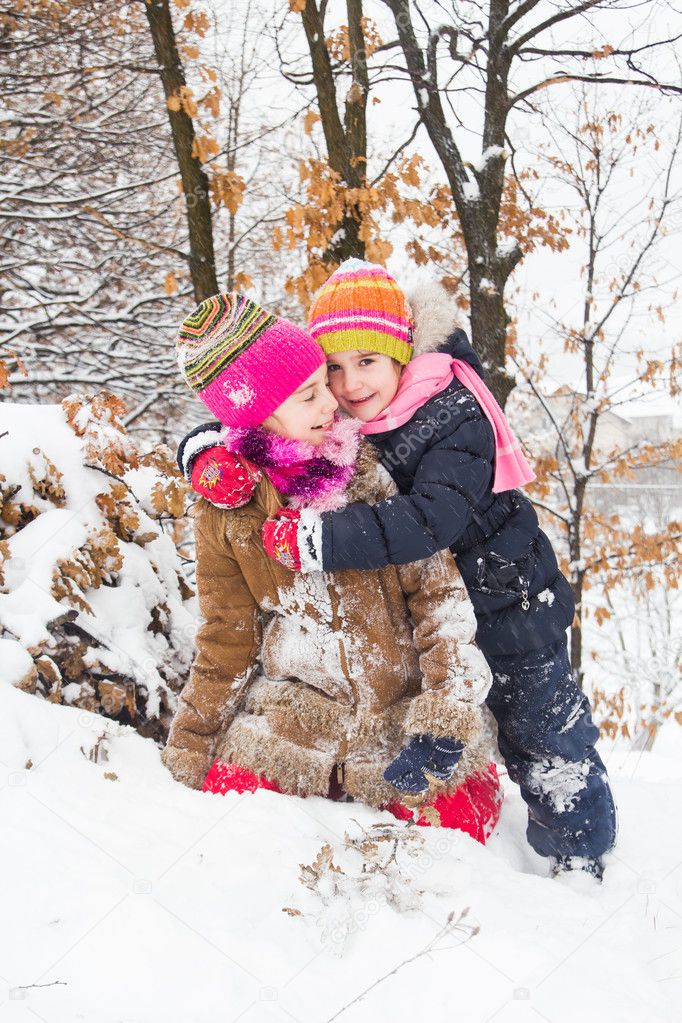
435	313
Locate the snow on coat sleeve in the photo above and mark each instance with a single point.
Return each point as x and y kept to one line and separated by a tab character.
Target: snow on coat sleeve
455	675
454	472
227	648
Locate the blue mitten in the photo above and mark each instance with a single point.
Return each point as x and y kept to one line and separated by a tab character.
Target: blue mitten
405	773
424	754
444	758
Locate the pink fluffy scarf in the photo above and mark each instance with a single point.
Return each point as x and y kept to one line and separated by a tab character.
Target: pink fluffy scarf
310	477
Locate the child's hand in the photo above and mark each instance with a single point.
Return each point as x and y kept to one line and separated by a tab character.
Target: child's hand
425	758
280	538
223	478
444	758
406	772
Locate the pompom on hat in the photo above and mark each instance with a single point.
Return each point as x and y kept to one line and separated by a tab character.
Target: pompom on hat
241	360
362	307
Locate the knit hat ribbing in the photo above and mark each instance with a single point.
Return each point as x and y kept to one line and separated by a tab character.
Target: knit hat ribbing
242	361
362	307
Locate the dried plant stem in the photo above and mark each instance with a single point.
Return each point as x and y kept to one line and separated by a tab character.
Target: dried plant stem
447	928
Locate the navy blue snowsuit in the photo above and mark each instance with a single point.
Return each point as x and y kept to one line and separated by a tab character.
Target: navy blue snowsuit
442	463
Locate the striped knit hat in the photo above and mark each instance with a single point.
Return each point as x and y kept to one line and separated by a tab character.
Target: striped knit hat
242	361
361	306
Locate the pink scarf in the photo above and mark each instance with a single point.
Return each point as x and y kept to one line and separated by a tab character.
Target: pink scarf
428	375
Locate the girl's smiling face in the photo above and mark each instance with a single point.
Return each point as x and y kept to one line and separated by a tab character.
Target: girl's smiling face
363	383
308	413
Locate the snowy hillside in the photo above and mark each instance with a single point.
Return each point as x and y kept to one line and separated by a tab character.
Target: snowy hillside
130	899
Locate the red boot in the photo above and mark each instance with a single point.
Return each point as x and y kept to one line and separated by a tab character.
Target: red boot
474	807
222	778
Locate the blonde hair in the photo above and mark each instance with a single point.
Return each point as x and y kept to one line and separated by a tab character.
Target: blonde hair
267	499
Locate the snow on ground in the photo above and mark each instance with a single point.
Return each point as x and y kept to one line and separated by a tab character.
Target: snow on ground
130	899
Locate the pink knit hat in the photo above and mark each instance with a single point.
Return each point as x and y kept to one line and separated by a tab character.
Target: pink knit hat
242	361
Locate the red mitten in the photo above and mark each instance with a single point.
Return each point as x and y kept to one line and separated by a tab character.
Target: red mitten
280	538
223	478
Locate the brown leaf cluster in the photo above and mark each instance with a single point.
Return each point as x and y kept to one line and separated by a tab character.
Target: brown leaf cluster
97	419
328	201
13	514
5	368
323	864
169	498
402	195
227	189
338	43
122	517
46	479
531	225
70	655
89	566
612	710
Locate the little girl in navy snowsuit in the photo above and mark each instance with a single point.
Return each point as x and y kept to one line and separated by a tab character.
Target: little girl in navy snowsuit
448	448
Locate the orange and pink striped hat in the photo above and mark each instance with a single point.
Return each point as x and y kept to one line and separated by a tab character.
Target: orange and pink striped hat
362	307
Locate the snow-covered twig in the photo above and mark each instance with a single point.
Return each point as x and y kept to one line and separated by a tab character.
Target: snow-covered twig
448	928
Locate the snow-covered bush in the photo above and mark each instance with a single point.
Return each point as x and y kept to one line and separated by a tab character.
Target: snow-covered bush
94	608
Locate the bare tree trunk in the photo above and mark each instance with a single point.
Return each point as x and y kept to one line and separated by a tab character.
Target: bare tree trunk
577	584
477	193
577	640
194	180
233	137
346	143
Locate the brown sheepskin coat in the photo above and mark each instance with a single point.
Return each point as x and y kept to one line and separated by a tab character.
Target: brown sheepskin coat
298	673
